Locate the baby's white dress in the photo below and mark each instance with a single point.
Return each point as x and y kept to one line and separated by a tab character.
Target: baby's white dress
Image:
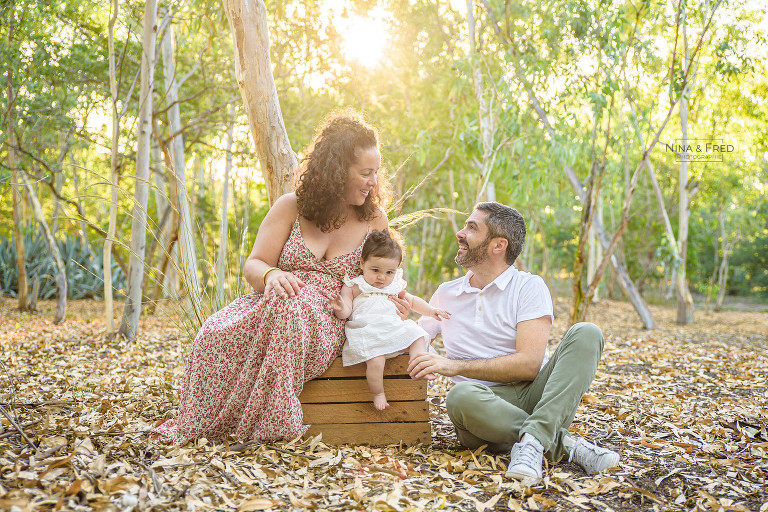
374	329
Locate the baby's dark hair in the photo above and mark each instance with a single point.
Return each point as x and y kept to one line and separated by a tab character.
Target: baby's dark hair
383	244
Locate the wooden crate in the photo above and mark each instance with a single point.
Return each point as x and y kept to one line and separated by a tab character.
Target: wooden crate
339	404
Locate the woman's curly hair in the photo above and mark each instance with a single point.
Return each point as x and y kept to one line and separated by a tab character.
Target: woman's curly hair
322	177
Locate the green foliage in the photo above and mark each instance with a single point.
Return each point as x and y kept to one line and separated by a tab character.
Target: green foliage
83	265
575	54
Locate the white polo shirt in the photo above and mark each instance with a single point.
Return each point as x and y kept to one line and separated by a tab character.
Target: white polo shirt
483	323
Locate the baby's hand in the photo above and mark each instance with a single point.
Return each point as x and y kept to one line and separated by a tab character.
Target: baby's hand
334	300
439	314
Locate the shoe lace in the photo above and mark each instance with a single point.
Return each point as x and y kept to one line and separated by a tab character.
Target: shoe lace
527	454
587	453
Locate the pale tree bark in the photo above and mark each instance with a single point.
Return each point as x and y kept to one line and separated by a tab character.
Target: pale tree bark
253	70
485	187
593	251
17	197
165	228
109	237
187	251
132	309
109	310
223	222
684	298
58	182
157	172
173	234
17	194
61	273
722	273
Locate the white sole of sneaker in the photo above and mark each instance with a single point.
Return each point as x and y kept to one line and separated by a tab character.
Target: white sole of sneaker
522	478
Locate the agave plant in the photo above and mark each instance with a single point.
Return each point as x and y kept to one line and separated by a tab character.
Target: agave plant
85	278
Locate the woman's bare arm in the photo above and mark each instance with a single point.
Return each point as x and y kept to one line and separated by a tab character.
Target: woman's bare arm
270	239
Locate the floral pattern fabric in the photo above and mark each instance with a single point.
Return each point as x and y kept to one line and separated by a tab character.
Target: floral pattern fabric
249	362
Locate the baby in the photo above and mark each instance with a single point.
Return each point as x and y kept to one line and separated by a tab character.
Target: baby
374	330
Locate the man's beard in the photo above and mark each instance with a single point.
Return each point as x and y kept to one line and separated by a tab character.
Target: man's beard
474	255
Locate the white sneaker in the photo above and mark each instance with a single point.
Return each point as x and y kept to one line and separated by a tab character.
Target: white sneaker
591	457
526	460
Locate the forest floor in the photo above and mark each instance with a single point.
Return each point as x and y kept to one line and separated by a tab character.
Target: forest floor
685	406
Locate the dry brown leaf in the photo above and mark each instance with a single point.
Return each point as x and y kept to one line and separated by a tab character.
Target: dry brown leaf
684	406
253	504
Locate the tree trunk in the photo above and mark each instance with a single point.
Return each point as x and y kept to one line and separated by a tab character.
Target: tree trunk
61	274
486	191
18	235
223	222
23	286
722	279
173	236
157	173
684	298
132	310
248	22
722	275
625	282
109	311
187	250
627	286
593	252
58	183
17	194
716	264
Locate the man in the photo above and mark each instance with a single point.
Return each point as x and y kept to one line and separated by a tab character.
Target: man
507	391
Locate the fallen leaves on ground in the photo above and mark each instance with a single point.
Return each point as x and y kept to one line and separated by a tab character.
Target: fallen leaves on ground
685	406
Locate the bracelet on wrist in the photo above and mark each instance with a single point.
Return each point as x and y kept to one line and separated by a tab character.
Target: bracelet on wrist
264	275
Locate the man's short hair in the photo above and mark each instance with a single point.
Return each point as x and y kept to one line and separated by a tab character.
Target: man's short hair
505	222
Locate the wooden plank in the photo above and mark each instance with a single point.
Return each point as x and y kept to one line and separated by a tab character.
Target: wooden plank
395	366
362	412
373	433
356	390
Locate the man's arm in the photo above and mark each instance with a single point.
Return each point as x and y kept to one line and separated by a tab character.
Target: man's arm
532	336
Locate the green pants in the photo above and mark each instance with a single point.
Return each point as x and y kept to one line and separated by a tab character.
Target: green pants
544	407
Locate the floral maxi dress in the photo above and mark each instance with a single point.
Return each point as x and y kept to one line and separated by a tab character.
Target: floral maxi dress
249	362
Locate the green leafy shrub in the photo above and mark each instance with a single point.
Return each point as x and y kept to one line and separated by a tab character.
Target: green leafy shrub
85	277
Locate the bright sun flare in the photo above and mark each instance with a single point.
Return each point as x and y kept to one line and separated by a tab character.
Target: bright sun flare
364	39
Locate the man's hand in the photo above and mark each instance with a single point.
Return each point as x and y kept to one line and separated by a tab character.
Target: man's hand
425	364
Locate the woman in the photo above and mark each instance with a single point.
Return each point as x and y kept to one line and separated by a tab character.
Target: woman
249	362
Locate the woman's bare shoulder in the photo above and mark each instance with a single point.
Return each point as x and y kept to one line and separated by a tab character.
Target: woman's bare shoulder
287	201
380	221
281	214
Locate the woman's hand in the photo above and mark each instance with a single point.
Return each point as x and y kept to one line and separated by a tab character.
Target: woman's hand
402	305
439	314
280	283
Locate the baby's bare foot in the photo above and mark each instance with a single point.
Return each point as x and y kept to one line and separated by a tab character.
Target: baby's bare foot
380	401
